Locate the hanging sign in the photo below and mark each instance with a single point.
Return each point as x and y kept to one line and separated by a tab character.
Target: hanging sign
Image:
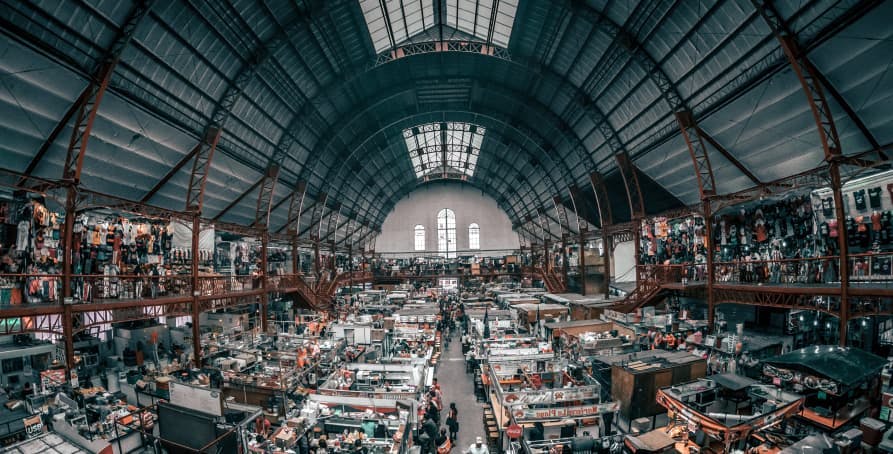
549	396
582	411
514	431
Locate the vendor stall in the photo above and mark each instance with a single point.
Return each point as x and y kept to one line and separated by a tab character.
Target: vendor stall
704	405
838	383
636	377
530	313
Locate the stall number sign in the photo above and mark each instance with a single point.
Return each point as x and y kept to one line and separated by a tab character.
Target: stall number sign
33	426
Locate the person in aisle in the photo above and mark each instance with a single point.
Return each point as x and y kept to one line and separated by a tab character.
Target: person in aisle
429	429
452	421
478	447
441	440
262	426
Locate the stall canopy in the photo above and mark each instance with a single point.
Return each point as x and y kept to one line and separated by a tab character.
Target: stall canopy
844	365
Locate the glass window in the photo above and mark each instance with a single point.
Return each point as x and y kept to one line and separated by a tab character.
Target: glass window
474	236
450	149
420	238
394	22
446	233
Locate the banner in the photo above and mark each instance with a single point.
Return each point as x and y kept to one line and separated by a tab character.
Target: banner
513	351
533	364
583	411
550	396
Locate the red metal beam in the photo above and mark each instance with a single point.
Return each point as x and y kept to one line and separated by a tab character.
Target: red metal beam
265	197
699	156
826	128
201	167
170	174
631	182
238	199
735	162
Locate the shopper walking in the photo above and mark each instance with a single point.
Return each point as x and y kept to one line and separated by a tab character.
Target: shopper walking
452	421
478	447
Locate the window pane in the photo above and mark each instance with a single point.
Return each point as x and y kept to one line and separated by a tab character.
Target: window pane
474	236
419	238
446	233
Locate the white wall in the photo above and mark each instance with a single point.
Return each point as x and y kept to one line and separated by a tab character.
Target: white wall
421	207
624	262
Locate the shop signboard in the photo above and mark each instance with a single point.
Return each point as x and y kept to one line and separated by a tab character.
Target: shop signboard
581	411
513	351
205	400
52	378
33	426
549	396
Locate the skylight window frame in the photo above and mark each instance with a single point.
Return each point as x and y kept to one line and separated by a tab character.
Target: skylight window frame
460	141
392	23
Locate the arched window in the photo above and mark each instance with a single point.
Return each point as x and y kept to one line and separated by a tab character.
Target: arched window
420	237
474	236
446	233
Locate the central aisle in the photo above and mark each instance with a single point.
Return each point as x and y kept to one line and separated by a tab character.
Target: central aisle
458	387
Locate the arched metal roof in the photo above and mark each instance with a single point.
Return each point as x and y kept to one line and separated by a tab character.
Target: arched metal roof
561	87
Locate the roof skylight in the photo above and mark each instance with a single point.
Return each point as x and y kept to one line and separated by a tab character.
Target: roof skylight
446	148
393	22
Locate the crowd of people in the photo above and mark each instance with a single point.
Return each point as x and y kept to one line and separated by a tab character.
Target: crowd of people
440	424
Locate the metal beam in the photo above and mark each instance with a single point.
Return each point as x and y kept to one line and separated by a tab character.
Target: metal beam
238	199
201	167
735	162
698	153
265	197
631	183
602	201
827	131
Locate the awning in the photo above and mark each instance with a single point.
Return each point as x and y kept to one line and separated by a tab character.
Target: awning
845	365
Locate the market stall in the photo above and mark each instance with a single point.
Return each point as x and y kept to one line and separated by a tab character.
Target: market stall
838	383
705	405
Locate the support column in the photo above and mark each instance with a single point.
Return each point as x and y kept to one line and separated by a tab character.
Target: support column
711	299
316	259
811	82
67	260
265	296
836	189
581	262
295	255
350	269
564	258
196	310
637	232
608	247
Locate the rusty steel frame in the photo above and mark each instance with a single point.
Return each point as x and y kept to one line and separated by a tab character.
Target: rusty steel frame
826	128
631	183
698	152
201	167
265	196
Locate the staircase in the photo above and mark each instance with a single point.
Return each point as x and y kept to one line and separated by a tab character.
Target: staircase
303	291
552	281
648	288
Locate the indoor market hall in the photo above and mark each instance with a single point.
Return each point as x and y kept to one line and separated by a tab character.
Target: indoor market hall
446	226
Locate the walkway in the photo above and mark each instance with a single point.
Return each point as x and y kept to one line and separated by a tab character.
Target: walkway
458	387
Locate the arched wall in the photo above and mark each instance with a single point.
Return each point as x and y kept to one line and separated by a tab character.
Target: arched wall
421	207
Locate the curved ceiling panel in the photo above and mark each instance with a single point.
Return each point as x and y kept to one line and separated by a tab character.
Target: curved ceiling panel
326	89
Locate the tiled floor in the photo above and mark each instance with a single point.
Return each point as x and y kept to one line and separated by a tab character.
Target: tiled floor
48	444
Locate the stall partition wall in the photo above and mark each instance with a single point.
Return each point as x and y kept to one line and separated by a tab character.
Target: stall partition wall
421	206
623	262
191	429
